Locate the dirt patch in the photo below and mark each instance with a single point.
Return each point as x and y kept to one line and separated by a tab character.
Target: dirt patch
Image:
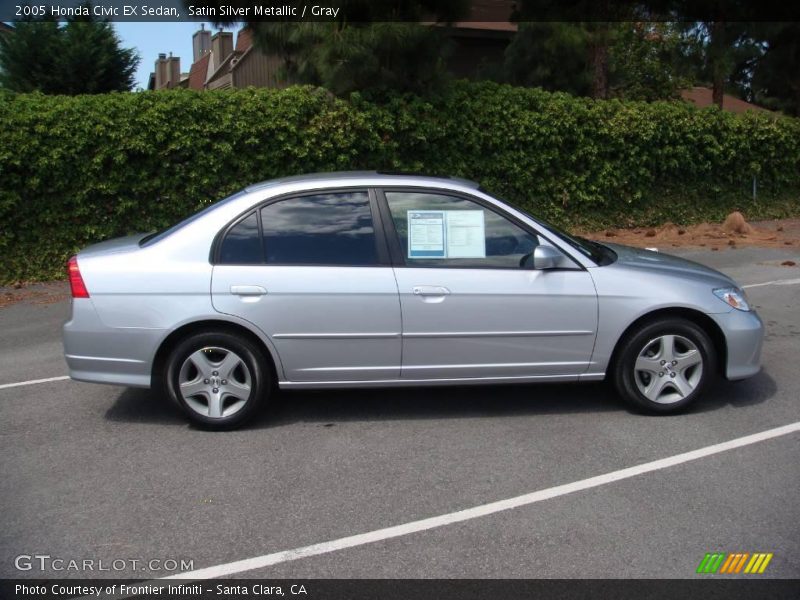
34	293
734	232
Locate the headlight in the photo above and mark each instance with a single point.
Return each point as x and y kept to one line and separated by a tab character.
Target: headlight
733	296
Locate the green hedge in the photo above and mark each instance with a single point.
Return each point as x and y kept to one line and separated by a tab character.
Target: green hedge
76	170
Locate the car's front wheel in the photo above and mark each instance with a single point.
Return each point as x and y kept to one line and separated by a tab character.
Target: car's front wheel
665	365
218	379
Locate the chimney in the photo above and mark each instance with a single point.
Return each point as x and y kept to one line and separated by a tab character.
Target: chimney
201	43
161	71
173	71
221	47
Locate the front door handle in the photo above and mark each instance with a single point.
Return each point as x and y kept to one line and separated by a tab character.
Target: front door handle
248	290
430	290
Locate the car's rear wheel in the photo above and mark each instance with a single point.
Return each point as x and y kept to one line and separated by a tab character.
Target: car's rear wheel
665	365
218	379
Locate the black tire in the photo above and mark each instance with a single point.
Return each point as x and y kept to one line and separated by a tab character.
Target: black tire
674	386
215	348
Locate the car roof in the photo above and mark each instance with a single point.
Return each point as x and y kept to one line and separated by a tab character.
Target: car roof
385	177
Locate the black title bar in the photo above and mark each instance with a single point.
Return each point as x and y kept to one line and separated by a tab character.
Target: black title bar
707	588
363	11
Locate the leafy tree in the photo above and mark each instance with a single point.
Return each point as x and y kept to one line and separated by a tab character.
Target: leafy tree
82	57
294	43
651	60
600	37
724	39
550	55
383	57
728	44
639	60
369	46
343	57
757	61
30	57
776	76
595	35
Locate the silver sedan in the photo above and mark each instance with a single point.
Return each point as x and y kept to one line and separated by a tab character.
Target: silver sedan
345	280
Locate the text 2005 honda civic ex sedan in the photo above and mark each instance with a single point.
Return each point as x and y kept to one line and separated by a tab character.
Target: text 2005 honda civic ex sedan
364	279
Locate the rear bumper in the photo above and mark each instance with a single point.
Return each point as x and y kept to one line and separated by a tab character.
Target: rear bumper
744	336
100	354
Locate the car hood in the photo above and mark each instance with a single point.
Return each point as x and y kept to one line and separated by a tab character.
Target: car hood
668	264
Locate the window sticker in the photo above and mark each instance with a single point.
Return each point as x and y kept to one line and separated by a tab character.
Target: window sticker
466	236
446	234
426	234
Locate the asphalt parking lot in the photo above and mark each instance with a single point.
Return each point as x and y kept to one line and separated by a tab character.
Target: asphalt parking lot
108	473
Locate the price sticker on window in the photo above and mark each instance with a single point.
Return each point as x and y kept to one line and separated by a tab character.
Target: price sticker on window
446	234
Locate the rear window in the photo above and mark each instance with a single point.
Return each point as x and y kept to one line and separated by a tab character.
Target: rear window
242	244
157	236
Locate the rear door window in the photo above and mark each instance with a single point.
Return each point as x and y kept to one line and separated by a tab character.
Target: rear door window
321	229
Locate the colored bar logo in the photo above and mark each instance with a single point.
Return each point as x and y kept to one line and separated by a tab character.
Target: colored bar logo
734	562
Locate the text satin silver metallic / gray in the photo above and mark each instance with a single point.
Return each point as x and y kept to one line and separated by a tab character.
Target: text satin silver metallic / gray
368	280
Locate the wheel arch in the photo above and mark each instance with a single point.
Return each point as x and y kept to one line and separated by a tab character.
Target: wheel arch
702	320
169	342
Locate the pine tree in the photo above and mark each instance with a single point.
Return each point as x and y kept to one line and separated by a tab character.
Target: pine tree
83	56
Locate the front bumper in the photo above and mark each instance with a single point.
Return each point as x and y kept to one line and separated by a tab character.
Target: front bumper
744	336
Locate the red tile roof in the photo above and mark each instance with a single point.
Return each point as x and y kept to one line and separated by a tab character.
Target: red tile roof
487	13
702	97
504	26
199	72
244	39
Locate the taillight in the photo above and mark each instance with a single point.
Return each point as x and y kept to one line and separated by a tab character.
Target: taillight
75	280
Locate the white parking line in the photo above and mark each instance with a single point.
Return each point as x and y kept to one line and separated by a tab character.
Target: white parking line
776	282
483	510
33	382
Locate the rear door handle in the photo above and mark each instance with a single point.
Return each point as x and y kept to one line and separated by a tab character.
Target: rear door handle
430	290
248	290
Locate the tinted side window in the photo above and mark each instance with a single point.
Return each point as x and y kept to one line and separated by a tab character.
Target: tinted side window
324	229
448	231
242	245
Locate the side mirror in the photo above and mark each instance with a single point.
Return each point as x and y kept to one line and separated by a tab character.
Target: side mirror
546	257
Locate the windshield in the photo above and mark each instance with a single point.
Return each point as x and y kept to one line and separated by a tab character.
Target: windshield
157	236
598	253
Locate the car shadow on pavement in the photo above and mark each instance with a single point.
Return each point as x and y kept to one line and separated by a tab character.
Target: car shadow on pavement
286	407
451	402
135	405
446	402
738	394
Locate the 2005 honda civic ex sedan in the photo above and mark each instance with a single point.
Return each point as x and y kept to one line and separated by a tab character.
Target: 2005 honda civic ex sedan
348	280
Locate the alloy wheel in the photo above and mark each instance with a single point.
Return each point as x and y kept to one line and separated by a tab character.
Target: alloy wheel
215	382
668	369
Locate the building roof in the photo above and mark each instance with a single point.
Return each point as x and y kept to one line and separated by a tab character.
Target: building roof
244	39
702	97
491	10
199	72
487	17
200	76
